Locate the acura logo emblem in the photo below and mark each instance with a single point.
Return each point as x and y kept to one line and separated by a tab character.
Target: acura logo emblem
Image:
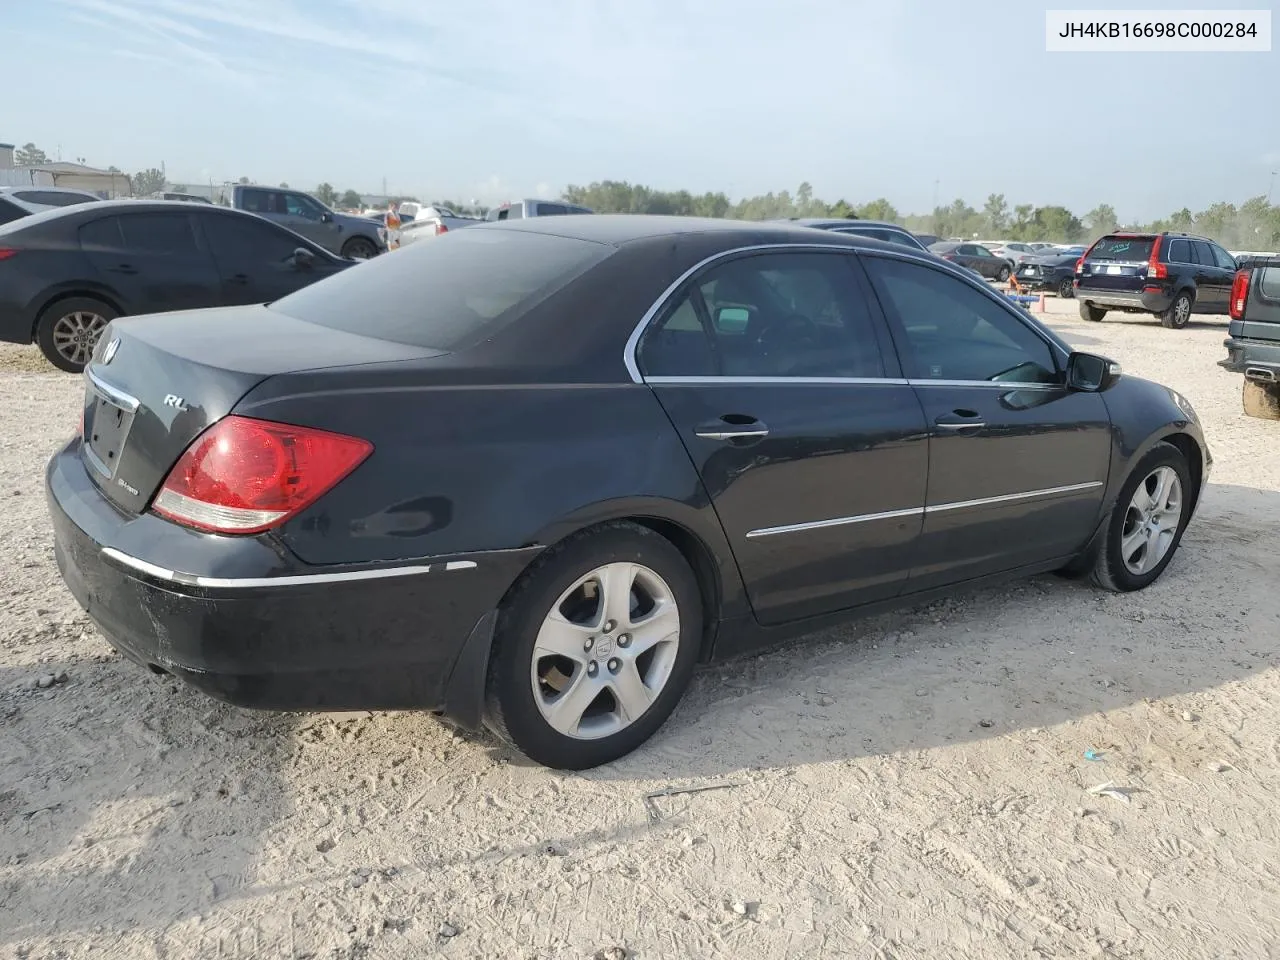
109	354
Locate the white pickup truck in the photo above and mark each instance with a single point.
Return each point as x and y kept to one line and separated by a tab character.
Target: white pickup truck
430	221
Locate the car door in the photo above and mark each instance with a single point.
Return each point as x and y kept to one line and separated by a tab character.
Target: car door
970	256
1223	267
811	446
153	260
256	260
305	216
1017	462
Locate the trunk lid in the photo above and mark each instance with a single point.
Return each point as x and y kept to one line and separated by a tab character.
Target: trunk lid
156	382
1118	263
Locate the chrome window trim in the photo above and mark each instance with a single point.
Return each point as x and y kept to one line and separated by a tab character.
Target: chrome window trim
926	510
1007	386
923	257
117	396
292	580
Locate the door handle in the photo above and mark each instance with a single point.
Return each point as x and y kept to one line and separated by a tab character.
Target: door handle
123	268
732	426
240	278
959	420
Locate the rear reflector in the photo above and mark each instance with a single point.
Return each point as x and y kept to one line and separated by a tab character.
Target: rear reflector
441	228
244	475
1239	294
7	252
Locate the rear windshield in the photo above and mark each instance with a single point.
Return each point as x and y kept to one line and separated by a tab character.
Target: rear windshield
450	293
1137	249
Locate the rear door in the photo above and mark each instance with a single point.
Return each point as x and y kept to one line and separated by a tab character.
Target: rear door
1117	262
1017	463
255	259
153	260
787	396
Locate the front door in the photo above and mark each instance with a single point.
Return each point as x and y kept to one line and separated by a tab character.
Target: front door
1218	269
255	259
1017	463
811	446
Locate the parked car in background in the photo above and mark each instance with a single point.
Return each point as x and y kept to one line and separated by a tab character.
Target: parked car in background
434	220
876	229
358	238
1040	246
170	195
1012	250
976	257
520	209
66	273
343	469
1051	270
18	202
1253	346
928	239
1169	275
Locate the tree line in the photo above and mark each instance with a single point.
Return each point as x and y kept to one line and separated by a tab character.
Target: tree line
1254	225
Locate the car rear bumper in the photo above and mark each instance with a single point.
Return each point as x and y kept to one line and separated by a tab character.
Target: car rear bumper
1145	301
1257	359
239	619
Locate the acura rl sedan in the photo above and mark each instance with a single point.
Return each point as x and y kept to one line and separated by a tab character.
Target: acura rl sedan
529	475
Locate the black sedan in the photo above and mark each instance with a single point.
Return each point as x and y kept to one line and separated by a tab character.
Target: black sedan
530	474
65	274
976	257
1051	270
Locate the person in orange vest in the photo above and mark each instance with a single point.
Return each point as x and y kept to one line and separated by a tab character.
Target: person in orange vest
393	226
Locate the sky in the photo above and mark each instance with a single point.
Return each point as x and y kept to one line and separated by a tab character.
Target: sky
498	99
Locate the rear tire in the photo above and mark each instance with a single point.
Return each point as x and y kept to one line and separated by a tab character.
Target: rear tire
590	691
359	248
68	330
1089	312
1066	289
1179	313
1261	400
1129	558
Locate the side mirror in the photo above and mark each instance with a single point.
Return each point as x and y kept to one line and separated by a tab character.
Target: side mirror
732	319
326	217
1090	373
303	259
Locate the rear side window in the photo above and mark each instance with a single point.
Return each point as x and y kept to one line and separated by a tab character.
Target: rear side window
1123	249
1203	254
10	212
165	234
513	212
255	201
1180	251
448	294
552	210
102	234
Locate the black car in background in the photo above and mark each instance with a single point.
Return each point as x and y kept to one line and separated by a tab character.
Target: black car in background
1170	275
64	274
875	229
976	257
530	474
1052	270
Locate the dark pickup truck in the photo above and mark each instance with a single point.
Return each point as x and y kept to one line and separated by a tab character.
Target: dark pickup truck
1253	348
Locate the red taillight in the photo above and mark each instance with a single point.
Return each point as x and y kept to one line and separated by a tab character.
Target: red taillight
245	476
948	256
441	228
1155	269
1084	256
1239	294
7	252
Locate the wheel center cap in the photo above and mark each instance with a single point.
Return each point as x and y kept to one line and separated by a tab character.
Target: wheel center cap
604	647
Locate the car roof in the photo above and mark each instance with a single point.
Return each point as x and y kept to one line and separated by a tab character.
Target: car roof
621	228
43	189
842	222
93	211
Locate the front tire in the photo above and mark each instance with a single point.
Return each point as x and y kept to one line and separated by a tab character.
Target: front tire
1179	312
1091	313
359	248
1066	289
68	330
594	647
1261	400
1003	275
1146	523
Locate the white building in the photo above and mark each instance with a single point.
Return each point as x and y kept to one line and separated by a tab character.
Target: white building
76	176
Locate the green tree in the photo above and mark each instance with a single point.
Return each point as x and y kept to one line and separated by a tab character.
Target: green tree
29	155
349	199
284	186
326	194
1182	220
244	180
879	209
1055	223
1101	220
148	181
995	215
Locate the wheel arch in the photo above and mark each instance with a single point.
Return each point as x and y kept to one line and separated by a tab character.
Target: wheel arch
51	297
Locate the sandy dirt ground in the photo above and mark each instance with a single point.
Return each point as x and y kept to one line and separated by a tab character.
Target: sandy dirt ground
913	785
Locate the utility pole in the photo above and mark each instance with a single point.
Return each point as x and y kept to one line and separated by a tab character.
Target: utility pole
936	183
1270	185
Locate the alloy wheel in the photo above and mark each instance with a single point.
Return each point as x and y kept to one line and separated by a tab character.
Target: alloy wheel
75	334
1181	311
605	651
1151	521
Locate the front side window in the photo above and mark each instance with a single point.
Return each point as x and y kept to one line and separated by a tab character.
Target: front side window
296	205
773	315
1223	259
247	240
952	331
